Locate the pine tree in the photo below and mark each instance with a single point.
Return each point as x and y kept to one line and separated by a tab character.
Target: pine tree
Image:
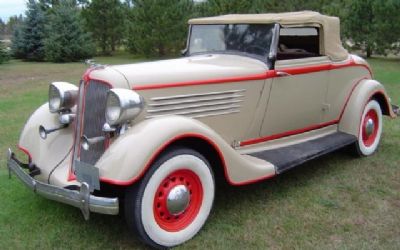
66	41
158	27
105	19
33	32
18	43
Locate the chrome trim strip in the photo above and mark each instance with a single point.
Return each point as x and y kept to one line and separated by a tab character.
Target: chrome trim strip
79	112
195	100
193	106
216	114
189	113
81	199
197	95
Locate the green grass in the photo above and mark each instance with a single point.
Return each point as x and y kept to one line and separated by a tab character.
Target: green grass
337	201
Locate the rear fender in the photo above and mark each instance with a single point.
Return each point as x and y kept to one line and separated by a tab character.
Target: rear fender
129	156
366	90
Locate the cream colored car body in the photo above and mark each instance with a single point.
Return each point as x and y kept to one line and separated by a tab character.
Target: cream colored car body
230	105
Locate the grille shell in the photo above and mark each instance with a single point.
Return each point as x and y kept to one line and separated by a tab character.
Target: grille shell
91	119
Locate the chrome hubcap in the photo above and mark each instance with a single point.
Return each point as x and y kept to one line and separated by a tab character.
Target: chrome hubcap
178	199
369	127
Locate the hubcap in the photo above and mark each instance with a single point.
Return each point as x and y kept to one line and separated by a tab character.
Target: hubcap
178	199
369	127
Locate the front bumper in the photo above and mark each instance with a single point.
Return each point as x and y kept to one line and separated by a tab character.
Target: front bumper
81	199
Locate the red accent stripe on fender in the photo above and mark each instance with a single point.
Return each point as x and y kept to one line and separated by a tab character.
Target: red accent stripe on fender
348	97
26	151
263	76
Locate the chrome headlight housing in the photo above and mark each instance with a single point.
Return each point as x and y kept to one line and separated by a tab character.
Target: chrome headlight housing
62	96
122	105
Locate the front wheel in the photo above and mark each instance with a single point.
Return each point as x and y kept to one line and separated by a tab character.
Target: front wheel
370	129
173	200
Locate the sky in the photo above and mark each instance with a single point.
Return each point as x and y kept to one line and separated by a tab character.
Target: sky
11	7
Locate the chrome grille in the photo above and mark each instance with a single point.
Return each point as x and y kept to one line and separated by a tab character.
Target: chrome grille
93	106
197	105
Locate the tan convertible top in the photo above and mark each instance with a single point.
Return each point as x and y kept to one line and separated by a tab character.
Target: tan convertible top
330	26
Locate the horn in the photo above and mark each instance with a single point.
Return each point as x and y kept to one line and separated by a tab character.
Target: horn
43	132
86	142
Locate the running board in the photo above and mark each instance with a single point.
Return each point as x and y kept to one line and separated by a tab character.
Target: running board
288	157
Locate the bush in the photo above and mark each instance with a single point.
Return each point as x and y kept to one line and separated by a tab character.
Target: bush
4	55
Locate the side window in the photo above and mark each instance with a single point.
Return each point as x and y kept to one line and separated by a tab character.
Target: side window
295	43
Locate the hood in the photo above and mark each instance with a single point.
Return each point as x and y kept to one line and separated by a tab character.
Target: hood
195	68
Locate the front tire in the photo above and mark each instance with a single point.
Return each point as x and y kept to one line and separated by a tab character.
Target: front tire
370	129
173	200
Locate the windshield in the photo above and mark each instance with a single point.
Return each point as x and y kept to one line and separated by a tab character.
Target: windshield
252	39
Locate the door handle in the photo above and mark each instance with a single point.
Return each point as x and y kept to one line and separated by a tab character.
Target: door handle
282	73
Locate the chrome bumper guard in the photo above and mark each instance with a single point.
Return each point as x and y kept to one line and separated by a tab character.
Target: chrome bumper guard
81	199
396	109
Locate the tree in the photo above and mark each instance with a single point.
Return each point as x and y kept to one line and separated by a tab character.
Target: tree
372	25
12	24
4	56
29	43
66	41
105	19
158	27
219	7
2	28
18	43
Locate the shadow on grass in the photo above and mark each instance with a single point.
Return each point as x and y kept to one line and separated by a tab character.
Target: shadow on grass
282	185
60	225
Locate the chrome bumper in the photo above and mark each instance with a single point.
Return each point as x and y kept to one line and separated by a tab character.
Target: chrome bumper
81	199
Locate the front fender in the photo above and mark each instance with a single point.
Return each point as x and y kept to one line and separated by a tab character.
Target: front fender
46	154
129	156
364	91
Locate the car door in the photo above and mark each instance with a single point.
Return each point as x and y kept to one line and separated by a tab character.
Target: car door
298	91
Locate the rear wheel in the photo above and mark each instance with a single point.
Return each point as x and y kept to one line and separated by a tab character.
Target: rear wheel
370	129
173	200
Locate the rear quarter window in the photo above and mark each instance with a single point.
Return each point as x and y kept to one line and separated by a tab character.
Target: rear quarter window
296	43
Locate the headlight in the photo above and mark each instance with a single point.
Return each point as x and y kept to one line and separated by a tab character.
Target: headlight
62	95
122	105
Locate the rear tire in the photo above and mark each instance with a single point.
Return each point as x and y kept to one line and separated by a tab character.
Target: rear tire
370	129
173	200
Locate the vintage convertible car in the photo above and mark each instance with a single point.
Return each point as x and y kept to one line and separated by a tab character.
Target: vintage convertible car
253	96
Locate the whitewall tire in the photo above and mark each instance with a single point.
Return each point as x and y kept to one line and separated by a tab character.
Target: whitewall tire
173	200
370	129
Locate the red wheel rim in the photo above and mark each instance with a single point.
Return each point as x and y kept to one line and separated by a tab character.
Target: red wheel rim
163	217
369	139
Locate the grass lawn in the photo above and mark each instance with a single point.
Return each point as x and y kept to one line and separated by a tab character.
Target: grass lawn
337	201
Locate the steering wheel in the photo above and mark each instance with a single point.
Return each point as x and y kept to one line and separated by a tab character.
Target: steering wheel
255	49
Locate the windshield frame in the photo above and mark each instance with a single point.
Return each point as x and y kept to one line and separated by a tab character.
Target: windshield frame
268	59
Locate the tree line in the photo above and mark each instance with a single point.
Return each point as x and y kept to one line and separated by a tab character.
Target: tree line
72	30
